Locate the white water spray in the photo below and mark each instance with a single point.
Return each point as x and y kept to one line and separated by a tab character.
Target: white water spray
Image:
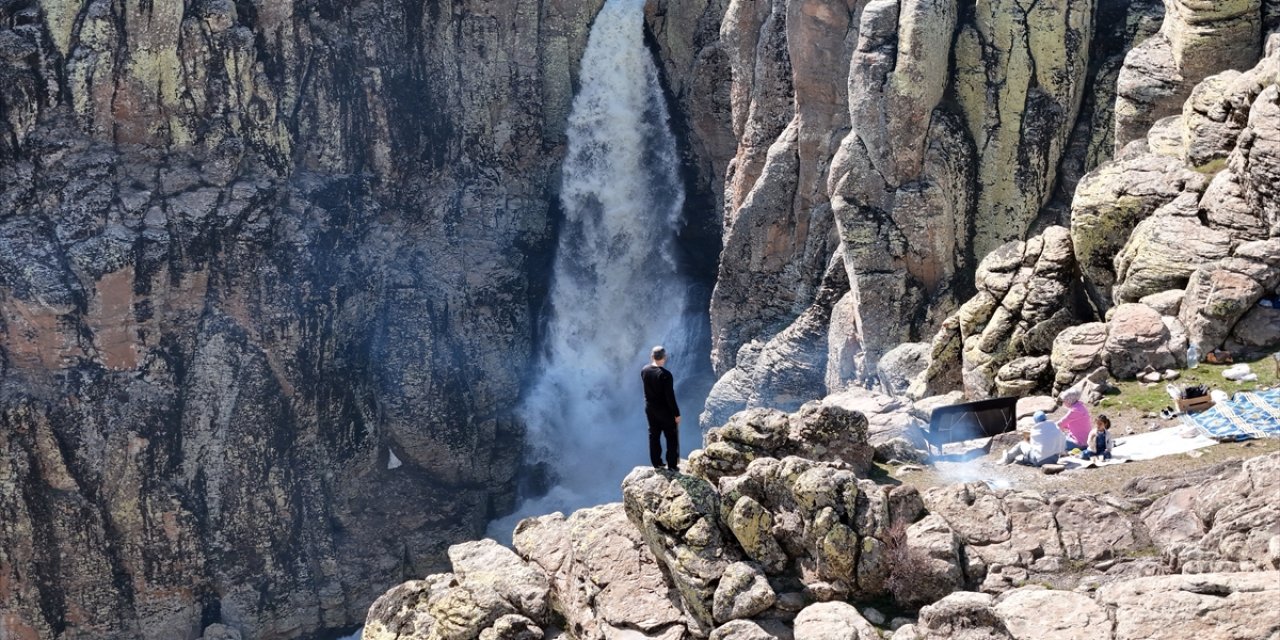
615	287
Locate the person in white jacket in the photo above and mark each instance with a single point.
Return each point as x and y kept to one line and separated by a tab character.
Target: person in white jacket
1099	442
1041	446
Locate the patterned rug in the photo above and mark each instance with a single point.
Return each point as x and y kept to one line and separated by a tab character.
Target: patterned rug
1247	416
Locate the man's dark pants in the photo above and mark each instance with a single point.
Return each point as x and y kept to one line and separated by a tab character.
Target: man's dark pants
661	426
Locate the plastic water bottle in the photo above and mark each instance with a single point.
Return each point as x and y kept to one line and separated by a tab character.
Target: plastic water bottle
1193	356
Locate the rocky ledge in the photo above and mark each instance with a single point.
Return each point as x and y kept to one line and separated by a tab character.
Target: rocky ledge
775	531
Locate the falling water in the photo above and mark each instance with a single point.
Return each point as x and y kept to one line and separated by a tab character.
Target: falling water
616	290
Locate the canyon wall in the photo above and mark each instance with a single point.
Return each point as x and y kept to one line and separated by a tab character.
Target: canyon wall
909	139
269	276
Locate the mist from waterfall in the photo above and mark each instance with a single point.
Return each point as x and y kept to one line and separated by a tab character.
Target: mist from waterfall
616	289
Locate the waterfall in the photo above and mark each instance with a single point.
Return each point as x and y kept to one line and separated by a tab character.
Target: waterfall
616	290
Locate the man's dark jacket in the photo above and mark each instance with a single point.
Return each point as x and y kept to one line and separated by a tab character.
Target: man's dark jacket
659	394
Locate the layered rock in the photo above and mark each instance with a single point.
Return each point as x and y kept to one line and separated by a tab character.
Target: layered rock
237	241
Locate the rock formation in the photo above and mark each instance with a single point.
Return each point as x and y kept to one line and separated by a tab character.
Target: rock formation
999	342
792	547
1191	212
243	247
935	156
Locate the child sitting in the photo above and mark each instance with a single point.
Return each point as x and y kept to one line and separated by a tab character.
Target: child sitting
1099	441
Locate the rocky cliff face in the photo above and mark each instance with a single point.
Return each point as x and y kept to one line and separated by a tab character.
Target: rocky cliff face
267	276
961	127
908	138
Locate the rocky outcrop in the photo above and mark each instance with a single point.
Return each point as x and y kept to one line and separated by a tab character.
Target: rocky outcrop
820	431
1001	339
790	368
1010	537
1110	202
1196	40
916	187
604	580
1223	605
1208	219
236	240
787	547
1220	525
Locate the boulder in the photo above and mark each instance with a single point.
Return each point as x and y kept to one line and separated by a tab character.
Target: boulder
929	566
1025	300
487	562
1220	294
743	592
1165	249
888	418
960	616
900	366
1020	534
1029	405
742	630
1165	303
818	431
1258	331
1033	612
1109	203
833	621
513	627
1077	351
1137	338
844	351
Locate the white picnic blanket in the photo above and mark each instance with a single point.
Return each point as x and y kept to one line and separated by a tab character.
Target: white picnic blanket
1146	446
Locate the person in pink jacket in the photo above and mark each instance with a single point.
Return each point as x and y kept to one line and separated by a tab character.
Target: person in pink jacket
1076	423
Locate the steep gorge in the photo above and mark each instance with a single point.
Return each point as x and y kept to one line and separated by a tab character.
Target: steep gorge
270	272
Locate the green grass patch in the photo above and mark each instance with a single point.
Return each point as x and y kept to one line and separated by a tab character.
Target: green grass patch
1152	397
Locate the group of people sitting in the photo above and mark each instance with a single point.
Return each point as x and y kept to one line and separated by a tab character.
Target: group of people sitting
1047	440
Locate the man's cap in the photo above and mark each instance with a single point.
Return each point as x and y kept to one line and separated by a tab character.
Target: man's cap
1040	416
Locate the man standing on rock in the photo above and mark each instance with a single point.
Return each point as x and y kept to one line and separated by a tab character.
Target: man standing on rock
661	409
